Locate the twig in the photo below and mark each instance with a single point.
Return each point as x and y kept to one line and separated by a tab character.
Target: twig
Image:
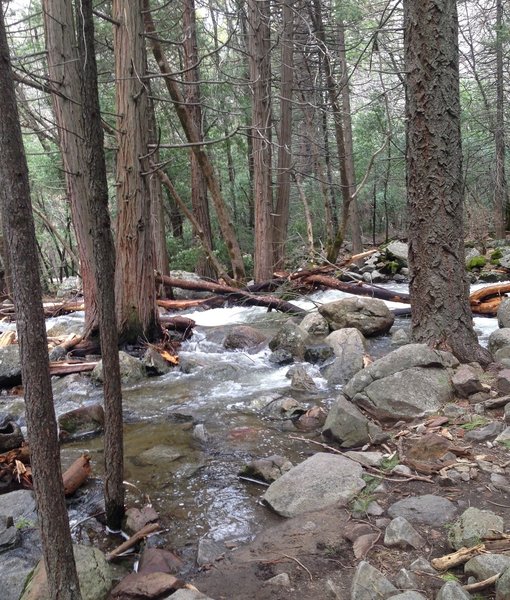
481	585
300	564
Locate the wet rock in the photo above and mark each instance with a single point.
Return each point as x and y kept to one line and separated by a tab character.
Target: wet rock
10	366
369	583
406	580
93	573
315	325
498	339
139	586
503	586
487	565
280	580
347	425
349	348
408	383
154	363
482	434
402	534
10	435
157	455
320	481
301	381
427	509
243	337
466	381
137	518
291	338
19	504
318	354
131	370
452	590
281	357
209	551
368	315
159	560
313	419
81	421
200	433
375	276
397	250
278	407
504	313
473	525
267	469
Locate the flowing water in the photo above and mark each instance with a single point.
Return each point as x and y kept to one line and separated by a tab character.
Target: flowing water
193	483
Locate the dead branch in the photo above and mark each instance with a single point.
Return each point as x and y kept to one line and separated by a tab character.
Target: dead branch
133	540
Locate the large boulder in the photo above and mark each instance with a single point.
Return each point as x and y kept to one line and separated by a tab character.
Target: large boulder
348	426
315	325
94	575
290	338
397	251
504	313
10	366
410	382
320	481
349	348
131	369
499	339
243	337
369	315
85	420
183	294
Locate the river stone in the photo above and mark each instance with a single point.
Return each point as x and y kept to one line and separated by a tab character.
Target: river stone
81	421
315	325
144	586
137	518
472	525
349	347
19	504
131	369
94	575
318	354
154	363
466	381
369	583
397	250
209	551
504	313
370	315
320	481
243	337
427	509
498	339
290	337
187	595
486	565
452	590
400	337
348	426
503	586
411	382
159	560
267	469
409	595
402	534
158	454
10	366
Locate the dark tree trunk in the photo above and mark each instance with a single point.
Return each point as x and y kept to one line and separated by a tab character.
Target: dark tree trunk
501	191
19	233
104	269
441	314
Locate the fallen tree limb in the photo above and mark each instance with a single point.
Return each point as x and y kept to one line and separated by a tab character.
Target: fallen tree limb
133	540
270	302
77	474
478	586
443	563
61	368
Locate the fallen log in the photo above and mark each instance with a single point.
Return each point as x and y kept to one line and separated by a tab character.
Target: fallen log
212	302
270	302
77	474
61	368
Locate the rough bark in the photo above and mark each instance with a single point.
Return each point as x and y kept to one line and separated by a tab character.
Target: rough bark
281	217
104	269
259	50
502	207
438	284
192	96
137	315
19	233
63	72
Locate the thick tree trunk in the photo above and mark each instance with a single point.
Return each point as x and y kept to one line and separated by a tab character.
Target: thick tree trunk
63	72
439	289
104	269
19	233
281	217
259	50
502	207
137	315
192	96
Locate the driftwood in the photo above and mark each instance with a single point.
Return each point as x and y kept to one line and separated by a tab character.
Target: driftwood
270	302
443	563
133	540
66	368
486	300
77	474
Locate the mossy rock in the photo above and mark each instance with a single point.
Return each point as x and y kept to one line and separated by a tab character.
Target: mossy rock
476	262
495	256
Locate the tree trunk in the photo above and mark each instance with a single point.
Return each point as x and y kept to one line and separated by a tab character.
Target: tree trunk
259	51
192	96
63	72
104	269
281	217
19	233
438	286
135	292
502	207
